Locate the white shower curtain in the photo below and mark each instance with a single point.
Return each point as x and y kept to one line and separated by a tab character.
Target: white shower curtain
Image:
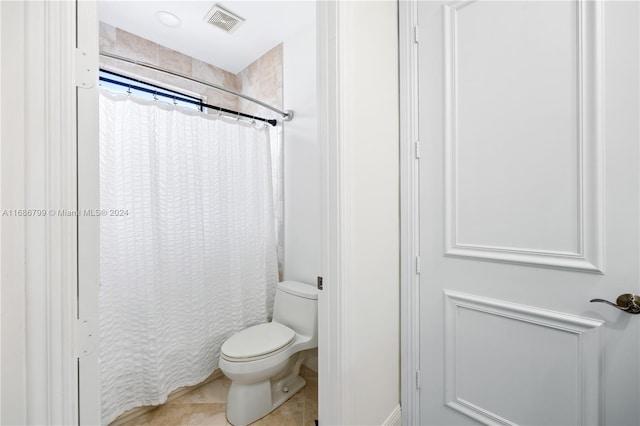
188	245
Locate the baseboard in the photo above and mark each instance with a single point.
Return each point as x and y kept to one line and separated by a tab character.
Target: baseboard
138	411
395	418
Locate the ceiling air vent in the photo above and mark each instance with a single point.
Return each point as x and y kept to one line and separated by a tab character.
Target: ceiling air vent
223	19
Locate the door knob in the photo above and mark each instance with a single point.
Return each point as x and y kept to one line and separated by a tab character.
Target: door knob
630	303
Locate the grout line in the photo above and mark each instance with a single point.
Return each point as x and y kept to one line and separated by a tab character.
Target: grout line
134	413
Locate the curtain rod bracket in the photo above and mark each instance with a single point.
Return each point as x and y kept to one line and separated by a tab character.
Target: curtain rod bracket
287	116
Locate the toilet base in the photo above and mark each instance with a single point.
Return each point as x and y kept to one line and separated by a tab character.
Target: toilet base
263	400
280	396
246	403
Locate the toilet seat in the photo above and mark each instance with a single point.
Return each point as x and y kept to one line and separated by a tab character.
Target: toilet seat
258	342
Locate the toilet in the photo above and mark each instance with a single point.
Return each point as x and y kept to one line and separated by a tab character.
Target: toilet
263	361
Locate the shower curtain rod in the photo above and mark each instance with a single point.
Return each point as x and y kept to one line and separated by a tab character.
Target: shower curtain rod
286	115
179	98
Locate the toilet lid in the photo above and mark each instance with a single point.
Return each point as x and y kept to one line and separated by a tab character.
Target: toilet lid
258	341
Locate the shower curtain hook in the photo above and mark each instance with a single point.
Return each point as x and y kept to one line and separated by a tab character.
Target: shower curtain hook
219	112
129	89
237	116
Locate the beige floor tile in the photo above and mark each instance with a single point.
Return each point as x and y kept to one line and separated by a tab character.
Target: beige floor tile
291	413
181	414
212	392
206	405
208	419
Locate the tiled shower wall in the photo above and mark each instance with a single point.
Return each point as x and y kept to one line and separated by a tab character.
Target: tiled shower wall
261	80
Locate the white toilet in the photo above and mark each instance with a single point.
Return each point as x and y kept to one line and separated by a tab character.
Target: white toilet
263	361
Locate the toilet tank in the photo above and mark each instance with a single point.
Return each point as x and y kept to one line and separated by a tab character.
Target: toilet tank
296	306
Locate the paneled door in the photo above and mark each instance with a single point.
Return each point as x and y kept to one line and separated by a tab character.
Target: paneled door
529	208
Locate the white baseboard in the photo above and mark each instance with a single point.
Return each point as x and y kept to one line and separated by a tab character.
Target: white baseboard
395	418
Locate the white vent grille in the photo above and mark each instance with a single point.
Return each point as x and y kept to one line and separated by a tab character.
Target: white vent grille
223	19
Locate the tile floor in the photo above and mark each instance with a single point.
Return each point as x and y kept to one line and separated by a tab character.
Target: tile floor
206	405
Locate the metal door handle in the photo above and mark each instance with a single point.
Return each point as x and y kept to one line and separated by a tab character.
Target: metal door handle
630	303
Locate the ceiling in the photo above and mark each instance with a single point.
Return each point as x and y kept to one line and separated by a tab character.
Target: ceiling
267	24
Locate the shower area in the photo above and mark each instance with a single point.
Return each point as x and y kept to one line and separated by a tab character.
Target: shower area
205	182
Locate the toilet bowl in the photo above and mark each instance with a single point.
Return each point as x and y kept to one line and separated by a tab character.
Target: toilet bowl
263	361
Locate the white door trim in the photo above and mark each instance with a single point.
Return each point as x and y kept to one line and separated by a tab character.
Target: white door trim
39	251
331	300
13	307
409	213
88	225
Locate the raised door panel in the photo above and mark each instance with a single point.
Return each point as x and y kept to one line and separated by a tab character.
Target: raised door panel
522	142
505	361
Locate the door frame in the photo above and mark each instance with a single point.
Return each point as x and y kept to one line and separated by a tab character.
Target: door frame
330	328
39	369
43	377
40	169
88	190
410	375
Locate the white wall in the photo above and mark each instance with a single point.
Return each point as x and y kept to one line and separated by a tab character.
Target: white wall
371	183
302	212
359	122
302	196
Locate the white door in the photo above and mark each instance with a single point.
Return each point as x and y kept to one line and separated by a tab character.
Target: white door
529	208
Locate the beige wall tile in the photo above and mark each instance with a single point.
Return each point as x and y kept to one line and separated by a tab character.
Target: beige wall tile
231	81
262	80
174	61
218	98
134	47
207	72
107	39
